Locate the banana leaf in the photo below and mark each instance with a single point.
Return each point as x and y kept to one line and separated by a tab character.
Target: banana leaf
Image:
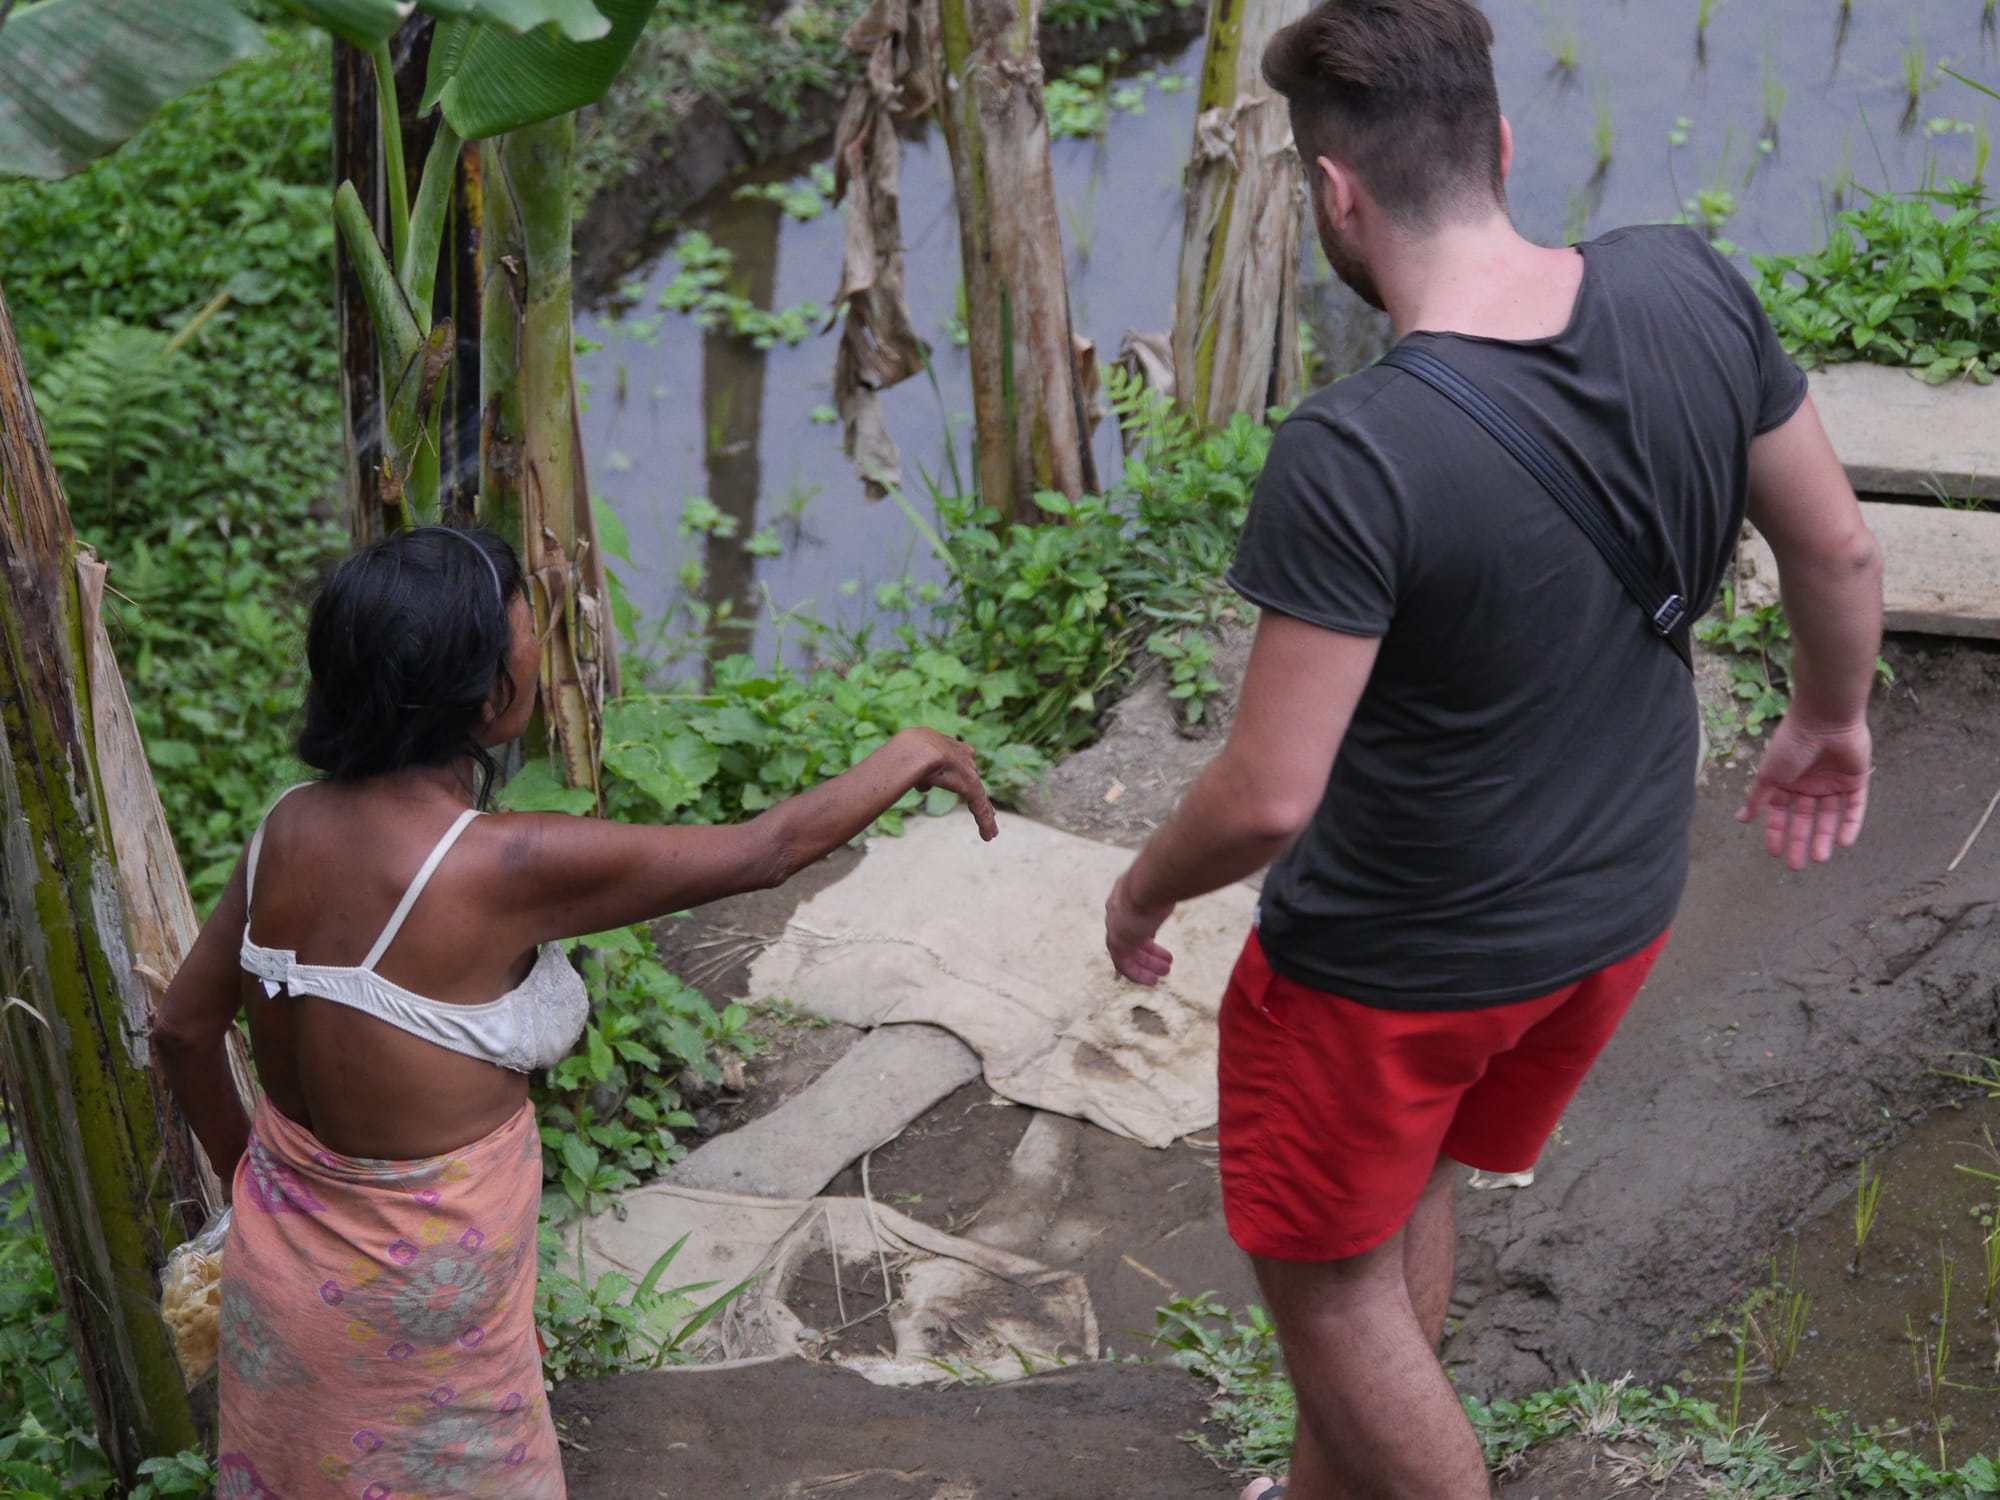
368	23
491	81
79	78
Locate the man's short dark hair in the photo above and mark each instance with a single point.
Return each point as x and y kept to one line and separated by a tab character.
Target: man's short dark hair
1402	91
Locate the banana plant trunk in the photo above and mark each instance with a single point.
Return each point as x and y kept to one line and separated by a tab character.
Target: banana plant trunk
83	944
1030	404
532	481
1236	310
441	483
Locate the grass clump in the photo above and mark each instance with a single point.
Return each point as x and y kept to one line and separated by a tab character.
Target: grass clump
1906	279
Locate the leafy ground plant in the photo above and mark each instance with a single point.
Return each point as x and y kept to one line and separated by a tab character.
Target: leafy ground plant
1905	279
599	1326
1756	641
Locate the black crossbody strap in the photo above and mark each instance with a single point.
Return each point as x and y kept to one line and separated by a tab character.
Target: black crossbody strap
1661	599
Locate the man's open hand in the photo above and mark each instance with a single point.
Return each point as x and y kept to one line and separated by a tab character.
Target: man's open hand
1129	934
1812	790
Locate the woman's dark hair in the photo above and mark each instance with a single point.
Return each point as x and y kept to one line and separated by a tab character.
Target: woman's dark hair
406	642
1402	91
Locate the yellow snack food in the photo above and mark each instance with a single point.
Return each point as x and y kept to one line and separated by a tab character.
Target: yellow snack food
191	1300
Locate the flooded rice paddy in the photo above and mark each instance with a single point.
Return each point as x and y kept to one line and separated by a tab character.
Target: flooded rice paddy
1763	122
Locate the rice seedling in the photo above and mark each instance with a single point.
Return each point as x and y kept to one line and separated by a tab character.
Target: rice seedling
1736	1377
1989	1262
1703	14
1576	223
1601	128
1916	67
1783	1326
1929	1356
1867	1200
1565	50
1775	94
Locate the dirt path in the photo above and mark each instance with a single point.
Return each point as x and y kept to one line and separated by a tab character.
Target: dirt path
1793	1023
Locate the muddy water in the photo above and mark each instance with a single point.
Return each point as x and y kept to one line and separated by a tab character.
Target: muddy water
1868	1333
676	414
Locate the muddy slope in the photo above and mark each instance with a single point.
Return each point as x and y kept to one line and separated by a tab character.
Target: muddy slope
794	1430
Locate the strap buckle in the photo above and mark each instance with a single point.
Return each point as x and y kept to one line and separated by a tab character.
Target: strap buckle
1667	618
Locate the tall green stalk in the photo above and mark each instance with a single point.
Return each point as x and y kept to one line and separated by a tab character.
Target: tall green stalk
532	483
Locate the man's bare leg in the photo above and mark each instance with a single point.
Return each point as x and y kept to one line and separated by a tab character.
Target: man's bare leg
1430	1250
1379	1421
1429	1261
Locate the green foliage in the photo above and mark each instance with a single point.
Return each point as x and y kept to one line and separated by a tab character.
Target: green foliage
1093	14
701	289
197	477
762	734
1758	644
600	1327
802	200
1080	103
1237	1355
1906	279
1062	610
48	1443
727	52
608	1111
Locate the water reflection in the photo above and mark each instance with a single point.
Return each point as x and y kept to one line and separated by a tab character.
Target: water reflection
732	407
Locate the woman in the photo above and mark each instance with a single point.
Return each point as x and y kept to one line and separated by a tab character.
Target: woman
395	951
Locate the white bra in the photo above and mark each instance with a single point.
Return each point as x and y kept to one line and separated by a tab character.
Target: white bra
532	1026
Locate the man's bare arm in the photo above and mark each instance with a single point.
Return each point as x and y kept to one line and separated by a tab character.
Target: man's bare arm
1812	785
1253	799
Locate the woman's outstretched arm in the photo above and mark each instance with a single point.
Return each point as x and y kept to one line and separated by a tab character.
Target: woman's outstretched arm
568	877
191	1033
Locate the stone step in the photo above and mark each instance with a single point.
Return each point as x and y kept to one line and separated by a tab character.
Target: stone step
1940	569
1898	436
886	1080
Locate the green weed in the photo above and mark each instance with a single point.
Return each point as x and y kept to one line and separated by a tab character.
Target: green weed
1906	279
1236	1356
1775	94
1757	643
804	200
597	1326
701	289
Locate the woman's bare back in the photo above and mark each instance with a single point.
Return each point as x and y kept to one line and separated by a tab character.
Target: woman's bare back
335	862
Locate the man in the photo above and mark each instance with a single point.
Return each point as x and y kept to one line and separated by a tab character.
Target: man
1464	744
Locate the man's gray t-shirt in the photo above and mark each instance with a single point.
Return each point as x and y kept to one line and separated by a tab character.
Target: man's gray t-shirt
1510	807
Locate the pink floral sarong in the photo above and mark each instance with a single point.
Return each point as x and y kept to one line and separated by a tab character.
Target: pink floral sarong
378	1330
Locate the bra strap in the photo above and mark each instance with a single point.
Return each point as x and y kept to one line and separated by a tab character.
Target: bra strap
416	889
257	846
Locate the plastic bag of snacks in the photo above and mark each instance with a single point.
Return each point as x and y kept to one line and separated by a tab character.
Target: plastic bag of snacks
191	1299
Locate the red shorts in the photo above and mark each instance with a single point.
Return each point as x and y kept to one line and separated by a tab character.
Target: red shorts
1334	1113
